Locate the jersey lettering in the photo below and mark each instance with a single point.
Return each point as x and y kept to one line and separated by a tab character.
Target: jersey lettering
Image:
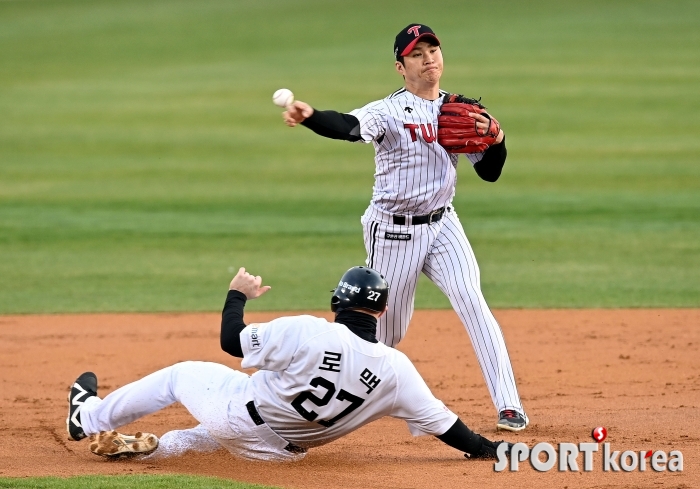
412	129
397	236
331	361
370	380
255	342
318	401
343	395
427	131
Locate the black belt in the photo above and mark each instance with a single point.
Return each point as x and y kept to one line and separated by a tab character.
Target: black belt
257	419
434	216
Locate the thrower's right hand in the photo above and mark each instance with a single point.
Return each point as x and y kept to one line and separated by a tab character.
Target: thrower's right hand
247	284
297	112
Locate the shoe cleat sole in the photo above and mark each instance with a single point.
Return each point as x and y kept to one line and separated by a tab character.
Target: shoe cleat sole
112	444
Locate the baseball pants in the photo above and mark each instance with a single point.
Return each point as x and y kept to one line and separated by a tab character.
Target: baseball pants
215	396
442	252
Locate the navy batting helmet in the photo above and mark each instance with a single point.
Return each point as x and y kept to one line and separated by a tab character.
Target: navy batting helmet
360	287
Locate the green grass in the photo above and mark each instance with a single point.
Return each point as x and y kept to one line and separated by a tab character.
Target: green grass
126	482
141	160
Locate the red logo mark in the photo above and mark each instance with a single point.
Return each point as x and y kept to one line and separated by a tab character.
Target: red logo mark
414	30
427	130
599	434
648	454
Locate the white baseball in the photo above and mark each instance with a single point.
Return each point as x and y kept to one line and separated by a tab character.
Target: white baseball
283	97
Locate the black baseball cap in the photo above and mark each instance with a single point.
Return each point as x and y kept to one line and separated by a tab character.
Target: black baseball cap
410	35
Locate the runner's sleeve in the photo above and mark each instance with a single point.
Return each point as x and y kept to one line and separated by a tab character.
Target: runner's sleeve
270	346
459	436
232	323
415	404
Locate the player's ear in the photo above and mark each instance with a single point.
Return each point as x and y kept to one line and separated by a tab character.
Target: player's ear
400	68
386	308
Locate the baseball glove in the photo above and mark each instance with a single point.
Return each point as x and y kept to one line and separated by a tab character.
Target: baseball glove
458	132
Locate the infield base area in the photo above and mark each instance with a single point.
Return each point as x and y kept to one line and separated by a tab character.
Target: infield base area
635	372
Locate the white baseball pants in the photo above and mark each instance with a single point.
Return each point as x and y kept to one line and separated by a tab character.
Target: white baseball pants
442	252
214	394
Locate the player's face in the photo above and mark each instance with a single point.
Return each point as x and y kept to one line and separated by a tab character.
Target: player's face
422	65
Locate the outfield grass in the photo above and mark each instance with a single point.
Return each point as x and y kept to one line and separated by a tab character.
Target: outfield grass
126	482
141	161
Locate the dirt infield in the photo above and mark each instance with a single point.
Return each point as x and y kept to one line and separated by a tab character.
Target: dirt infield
636	372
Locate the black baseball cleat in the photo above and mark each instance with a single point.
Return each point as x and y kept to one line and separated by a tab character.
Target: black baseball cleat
511	420
488	450
83	388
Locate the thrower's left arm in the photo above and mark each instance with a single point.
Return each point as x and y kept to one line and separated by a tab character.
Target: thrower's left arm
489	167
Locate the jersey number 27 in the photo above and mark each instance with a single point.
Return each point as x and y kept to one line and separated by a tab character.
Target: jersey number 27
343	395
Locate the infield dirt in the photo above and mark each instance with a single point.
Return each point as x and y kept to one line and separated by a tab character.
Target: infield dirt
636	372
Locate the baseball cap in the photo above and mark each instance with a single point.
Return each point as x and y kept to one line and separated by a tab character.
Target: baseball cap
410	35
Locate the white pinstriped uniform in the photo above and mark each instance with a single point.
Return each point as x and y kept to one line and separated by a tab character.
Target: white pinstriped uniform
415	176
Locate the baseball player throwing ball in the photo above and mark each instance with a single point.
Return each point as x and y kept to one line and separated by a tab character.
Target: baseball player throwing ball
410	225
318	381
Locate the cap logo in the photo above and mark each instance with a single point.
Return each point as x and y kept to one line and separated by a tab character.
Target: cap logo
414	30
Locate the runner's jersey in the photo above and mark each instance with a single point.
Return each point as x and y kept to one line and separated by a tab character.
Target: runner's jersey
414	174
318	381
